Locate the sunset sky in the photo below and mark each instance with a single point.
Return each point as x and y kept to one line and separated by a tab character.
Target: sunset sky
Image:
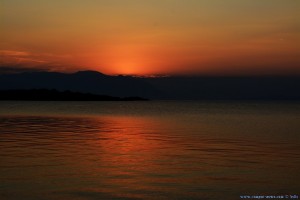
146	37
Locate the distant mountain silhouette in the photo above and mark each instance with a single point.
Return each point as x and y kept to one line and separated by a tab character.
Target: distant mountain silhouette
229	88
54	95
83	81
184	88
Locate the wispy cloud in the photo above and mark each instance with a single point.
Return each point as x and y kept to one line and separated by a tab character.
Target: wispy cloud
15	61
14	53
18	69
26	58
12	57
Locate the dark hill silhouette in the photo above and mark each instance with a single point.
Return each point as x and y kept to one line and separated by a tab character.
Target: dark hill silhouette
185	88
84	81
229	88
54	95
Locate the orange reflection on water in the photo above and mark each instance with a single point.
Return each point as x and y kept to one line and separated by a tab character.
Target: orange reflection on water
107	157
127	154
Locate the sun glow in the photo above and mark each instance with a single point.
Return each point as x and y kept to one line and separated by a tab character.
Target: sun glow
152	37
121	59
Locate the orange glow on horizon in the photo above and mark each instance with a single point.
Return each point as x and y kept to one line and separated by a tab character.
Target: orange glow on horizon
152	37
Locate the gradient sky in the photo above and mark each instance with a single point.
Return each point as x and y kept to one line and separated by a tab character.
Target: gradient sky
147	37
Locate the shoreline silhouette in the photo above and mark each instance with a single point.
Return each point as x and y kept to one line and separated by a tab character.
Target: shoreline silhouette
157	88
55	95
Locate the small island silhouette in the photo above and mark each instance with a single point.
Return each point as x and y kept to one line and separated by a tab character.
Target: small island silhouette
55	95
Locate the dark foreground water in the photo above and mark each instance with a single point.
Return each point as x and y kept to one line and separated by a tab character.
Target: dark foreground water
148	150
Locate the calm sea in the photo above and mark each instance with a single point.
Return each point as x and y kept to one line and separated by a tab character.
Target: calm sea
148	150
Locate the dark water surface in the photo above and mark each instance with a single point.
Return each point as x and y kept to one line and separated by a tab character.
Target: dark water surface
148	150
